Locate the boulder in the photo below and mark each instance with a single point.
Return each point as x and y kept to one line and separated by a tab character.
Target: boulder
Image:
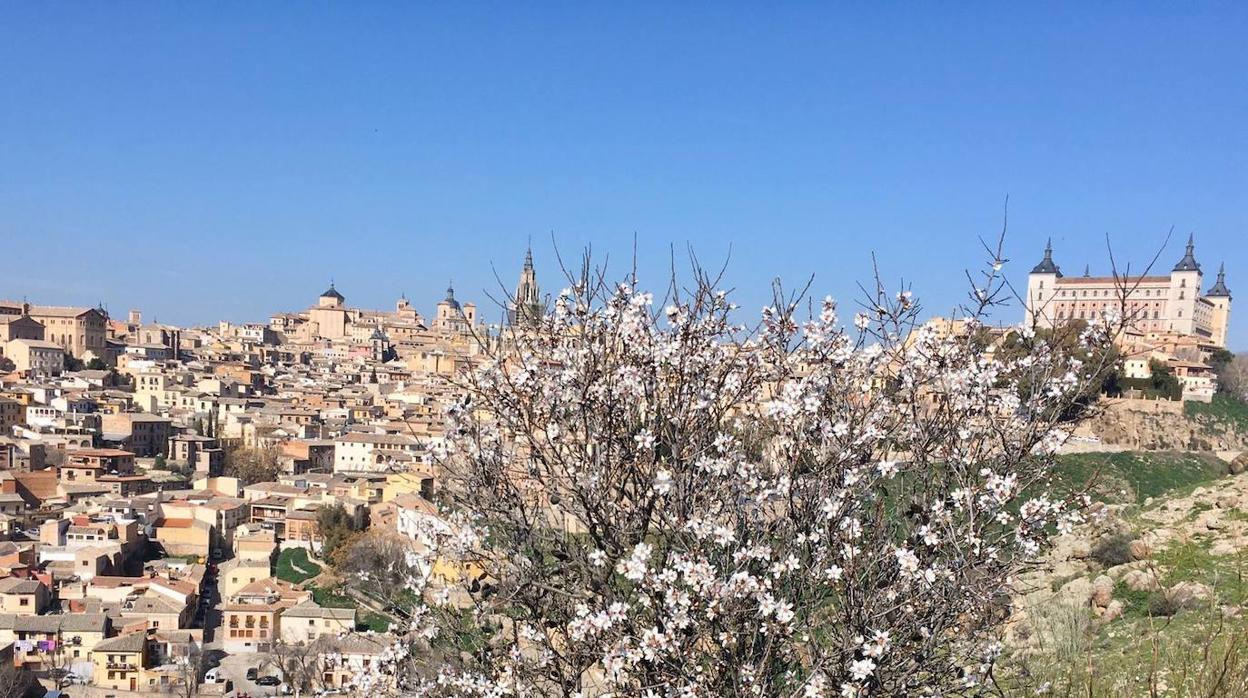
1189	594
1141	549
1080	549
1141	580
1102	591
1113	611
1227	500
1076	592
1239	465
1226	546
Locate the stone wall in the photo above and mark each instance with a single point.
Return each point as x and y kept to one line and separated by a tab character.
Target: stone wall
1158	425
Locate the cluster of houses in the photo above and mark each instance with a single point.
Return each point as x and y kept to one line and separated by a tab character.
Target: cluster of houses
131	546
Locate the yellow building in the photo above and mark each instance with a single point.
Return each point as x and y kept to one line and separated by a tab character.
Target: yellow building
119	662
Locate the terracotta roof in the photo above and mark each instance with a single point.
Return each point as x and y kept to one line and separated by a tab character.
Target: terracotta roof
99	452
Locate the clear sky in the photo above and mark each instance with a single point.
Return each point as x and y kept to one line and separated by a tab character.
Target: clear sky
207	161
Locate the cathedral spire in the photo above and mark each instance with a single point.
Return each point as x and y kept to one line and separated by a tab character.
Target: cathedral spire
526	307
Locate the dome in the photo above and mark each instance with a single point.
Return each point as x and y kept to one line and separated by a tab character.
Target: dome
450	298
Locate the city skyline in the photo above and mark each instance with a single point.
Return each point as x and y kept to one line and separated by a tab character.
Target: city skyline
226	164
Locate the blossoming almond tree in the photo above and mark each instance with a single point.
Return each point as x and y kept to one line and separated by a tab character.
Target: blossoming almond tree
668	504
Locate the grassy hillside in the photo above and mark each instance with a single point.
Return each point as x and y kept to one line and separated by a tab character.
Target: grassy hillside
1131	477
1157	646
1228	412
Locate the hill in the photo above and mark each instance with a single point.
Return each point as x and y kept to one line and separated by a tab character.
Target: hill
1148	597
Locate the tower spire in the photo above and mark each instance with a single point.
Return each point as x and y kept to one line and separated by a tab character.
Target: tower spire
1046	265
1189	263
526	307
1219	289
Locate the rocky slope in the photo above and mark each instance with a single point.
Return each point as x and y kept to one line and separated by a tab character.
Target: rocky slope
1159	559
1162	426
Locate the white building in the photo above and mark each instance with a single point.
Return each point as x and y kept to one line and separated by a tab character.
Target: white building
1158	304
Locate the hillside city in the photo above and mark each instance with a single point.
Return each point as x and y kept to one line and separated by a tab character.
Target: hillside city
178	506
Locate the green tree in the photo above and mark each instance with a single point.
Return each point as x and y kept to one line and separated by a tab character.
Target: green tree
1163	382
97	364
337	528
1103	362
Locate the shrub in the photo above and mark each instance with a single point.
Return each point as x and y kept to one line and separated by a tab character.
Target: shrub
1162	605
1113	550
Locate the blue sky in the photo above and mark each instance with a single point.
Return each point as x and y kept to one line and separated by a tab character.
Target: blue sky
223	161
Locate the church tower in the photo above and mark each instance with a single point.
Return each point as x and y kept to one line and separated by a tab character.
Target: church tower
1185	284
526	307
1220	296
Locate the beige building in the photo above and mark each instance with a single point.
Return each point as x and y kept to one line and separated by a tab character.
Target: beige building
375	452
1158	304
79	331
329	315
29	596
76	636
36	356
19	327
147	435
307	621
237	574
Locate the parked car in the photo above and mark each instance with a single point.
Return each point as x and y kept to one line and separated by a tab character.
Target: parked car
252	673
268	681
213	675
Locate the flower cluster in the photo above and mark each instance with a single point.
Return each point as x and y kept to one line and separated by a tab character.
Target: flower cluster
669	504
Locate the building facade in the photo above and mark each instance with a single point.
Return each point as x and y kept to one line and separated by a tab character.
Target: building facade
1173	303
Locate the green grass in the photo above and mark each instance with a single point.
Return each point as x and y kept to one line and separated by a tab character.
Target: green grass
1131	477
291	561
330	598
1224	408
373	621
